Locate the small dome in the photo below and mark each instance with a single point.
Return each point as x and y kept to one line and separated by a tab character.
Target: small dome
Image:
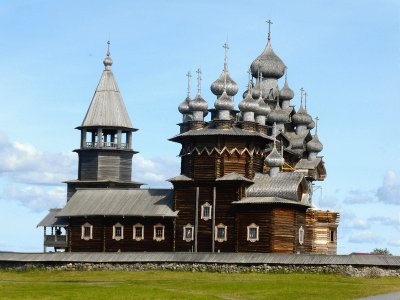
256	90
268	64
314	145
108	61
278	115
286	93
274	159
311	125
301	117
262	108
217	87
224	102
248	104
184	106
198	104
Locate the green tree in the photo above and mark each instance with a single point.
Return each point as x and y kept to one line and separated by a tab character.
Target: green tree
381	251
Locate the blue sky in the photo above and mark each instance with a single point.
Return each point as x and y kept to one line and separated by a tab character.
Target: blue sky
345	54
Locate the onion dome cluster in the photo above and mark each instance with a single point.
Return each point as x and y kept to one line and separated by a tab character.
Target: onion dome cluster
224	102
263	108
301	117
268	64
286	93
248	104
184	106
198	104
274	159
224	83
278	115
314	145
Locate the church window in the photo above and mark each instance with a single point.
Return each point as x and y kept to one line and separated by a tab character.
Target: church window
253	233
206	211
118	232
87	231
332	235
159	232
138	232
188	233
220	233
301	235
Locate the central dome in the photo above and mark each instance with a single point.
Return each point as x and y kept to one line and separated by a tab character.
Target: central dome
268	64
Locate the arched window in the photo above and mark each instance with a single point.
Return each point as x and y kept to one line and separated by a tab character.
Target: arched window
87	231
206	211
118	232
301	235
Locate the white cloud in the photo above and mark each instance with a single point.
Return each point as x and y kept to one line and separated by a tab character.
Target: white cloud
365	237
23	163
36	198
386	221
389	192
156	171
394	243
356	224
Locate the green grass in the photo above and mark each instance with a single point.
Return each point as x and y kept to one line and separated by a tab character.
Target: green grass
185	285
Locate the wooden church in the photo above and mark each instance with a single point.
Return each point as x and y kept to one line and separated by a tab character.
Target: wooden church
245	184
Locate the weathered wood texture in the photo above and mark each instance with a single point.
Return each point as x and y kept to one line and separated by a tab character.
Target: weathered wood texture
103	231
105	164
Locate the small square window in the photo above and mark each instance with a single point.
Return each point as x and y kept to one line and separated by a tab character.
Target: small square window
159	232
252	233
138	232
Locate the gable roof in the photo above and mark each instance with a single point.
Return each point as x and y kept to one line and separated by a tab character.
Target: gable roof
50	220
107	108
283	185
120	202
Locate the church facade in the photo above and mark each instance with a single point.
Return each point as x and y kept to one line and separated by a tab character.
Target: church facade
245	184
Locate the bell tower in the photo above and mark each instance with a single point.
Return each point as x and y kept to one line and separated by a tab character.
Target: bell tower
105	152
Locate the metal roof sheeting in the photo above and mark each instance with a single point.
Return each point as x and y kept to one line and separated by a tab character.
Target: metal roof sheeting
218	258
107	108
50	220
120	202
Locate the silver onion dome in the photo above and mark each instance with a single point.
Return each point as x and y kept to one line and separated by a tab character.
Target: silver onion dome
274	159
256	91
301	117
268	64
262	108
311	125
198	104
219	85
184	106
314	145
286	93
278	115
224	102
248	104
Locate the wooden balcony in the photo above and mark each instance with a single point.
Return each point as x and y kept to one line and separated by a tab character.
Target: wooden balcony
56	241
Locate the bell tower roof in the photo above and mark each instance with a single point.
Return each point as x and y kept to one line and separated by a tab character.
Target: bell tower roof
107	108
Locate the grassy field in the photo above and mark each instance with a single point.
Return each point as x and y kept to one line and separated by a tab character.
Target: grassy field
185	285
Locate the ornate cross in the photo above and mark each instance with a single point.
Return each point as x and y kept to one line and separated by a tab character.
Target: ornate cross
108	48
188	75
226	47
198	80
316	124
305	100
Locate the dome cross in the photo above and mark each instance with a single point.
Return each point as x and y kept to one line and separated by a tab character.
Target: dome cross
269	29
316	124
108	48
226	47
305	100
188	75
301	96
198	81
